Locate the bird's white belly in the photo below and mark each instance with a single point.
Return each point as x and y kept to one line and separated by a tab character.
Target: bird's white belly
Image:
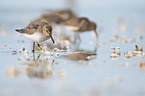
72	28
36	37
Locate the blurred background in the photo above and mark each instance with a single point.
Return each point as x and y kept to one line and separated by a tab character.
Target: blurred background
110	70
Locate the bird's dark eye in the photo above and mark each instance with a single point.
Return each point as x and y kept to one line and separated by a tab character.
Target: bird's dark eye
48	32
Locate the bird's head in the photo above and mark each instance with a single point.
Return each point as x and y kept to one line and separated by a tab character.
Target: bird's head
47	30
93	26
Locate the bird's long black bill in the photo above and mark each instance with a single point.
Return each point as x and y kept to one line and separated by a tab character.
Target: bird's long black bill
96	33
52	39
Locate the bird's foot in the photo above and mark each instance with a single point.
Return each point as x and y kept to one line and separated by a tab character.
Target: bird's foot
33	51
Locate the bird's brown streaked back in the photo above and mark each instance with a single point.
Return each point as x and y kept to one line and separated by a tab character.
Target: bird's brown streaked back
65	14
33	27
37	32
56	16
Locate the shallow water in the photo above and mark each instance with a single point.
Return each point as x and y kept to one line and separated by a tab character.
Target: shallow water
80	72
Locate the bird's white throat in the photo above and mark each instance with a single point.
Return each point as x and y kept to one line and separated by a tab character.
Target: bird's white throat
36	37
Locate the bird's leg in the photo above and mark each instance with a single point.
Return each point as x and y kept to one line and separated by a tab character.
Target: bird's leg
77	41
77	37
39	46
38	56
33	47
34	56
97	37
95	50
52	62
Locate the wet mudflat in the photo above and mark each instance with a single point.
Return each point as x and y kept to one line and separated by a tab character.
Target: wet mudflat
112	66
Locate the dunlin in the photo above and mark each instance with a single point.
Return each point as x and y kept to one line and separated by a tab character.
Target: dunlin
57	16
80	25
37	32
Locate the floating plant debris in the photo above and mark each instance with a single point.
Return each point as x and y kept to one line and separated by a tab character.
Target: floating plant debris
108	83
45	47
112	40
26	52
139	53
128	54
56	62
113	56
55	49
118	48
51	54
117	52
116	35
18	41
137	48
123	27
141	49
126	40
5	45
61	73
143	54
140	37
141	64
118	78
23	41
42	51
22	49
97	46
112	48
11	72
14	52
57	54
106	43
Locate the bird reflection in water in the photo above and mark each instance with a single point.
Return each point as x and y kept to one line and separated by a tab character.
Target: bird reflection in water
36	68
40	68
81	55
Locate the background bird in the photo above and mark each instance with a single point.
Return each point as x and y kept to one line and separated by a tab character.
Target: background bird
80	25
57	16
